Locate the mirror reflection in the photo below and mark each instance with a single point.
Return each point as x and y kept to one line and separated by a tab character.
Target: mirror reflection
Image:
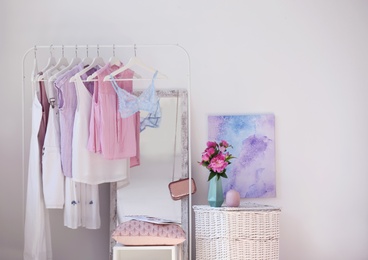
164	158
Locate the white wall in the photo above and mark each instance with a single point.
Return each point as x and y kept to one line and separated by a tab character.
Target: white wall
304	61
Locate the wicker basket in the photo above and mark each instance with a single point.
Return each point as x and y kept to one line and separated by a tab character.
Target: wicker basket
250	231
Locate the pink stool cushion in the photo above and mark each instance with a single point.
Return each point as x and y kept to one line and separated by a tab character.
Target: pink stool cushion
140	233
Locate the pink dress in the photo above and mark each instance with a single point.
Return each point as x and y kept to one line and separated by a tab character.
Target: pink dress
110	135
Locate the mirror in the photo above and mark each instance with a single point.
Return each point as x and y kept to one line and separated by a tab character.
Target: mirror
164	158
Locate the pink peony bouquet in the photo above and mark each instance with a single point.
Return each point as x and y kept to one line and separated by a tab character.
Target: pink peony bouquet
216	158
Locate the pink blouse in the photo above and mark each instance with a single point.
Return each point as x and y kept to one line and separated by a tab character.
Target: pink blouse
110	135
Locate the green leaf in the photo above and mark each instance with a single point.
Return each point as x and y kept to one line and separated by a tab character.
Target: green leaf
205	164
212	174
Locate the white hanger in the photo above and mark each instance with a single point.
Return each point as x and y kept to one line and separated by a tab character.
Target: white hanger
135	61
114	60
35	66
51	61
138	62
87	60
75	61
92	77
96	61
62	62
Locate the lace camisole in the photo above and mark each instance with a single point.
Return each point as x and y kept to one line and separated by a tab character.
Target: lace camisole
148	101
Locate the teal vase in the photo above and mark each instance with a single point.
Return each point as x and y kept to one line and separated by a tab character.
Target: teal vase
215	193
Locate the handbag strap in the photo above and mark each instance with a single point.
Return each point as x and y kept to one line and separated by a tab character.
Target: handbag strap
176	129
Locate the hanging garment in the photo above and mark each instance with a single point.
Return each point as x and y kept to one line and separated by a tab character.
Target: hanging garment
82	204
90	167
82	208
66	99
110	135
45	114
147	101
52	177
37	238
129	104
152	120
72	209
81	199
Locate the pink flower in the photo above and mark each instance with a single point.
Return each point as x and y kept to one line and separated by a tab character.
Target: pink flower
218	163
224	144
216	158
210	151
222	149
205	157
211	144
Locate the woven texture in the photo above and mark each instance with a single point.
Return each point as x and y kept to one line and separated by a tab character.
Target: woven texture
250	231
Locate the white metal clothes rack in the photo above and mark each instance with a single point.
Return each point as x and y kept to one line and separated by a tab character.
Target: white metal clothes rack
51	48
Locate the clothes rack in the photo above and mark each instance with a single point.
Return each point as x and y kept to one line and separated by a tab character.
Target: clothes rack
37	48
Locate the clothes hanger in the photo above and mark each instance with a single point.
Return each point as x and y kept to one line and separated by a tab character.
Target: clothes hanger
62	62
87	60
114	60
51	61
34	75
97	61
35	66
135	61
74	62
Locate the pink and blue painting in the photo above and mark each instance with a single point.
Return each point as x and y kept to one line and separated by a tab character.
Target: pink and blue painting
252	172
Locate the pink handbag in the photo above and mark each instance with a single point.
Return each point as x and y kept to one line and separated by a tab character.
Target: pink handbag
180	188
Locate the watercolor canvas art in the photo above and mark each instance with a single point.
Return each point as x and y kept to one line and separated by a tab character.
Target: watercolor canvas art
252	172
